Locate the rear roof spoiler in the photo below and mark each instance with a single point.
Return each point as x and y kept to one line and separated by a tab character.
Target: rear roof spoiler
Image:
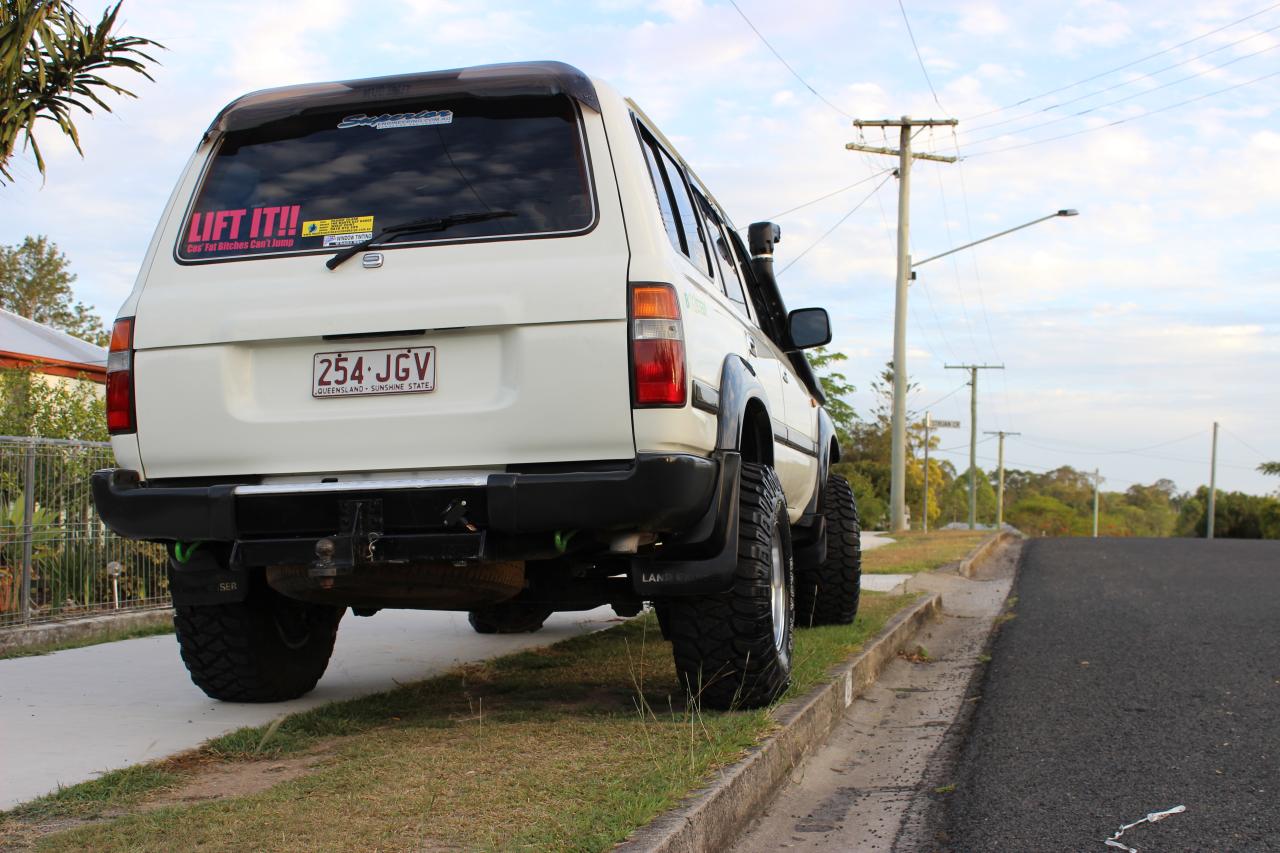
479	81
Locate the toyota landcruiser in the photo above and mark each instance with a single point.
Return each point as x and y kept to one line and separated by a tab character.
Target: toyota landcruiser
473	340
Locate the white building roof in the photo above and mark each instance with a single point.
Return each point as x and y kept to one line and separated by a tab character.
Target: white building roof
27	337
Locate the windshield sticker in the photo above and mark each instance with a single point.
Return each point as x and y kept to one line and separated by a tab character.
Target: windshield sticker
346	239
387	121
344	225
246	228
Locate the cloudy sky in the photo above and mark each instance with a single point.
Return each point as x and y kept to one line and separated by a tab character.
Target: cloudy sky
1126	331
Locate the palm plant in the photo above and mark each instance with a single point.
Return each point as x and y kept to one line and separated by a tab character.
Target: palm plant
51	61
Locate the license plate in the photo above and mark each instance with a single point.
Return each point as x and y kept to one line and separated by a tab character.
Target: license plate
353	373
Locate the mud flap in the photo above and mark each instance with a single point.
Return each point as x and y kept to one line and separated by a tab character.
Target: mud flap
203	579
705	567
809	544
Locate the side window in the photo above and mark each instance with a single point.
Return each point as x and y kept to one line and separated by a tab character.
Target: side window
663	192
723	255
697	251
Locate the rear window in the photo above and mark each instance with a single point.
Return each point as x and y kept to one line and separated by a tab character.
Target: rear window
323	181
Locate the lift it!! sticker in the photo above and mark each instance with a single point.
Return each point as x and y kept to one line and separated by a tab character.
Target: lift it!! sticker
242	230
344	231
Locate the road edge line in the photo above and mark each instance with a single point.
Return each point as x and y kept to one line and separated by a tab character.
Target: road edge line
716	815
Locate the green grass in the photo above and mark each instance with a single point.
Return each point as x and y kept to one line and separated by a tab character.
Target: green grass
111	635
116	789
567	747
915	551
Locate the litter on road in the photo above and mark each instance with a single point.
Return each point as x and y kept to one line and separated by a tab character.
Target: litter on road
1113	841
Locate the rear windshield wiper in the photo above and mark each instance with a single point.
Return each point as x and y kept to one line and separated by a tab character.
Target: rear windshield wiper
416	226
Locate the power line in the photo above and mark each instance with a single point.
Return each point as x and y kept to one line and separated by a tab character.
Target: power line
956	390
977	274
1124	120
1045	469
1126	65
920	58
955	267
1119	85
828	195
794	73
1081	449
1142	454
840	222
1237	437
920	326
1143	93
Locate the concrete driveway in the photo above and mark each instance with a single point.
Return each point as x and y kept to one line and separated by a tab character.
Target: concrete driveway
69	716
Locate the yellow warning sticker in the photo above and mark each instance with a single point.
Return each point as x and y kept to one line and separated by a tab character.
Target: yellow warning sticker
345	225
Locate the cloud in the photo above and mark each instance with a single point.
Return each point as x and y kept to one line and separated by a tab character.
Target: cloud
1146	317
983	19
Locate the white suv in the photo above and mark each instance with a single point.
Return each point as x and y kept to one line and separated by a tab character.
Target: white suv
469	340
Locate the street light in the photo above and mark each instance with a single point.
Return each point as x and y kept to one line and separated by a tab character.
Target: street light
898	467
1066	212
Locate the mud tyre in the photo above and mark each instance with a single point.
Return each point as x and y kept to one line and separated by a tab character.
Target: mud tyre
509	618
734	649
268	648
828	593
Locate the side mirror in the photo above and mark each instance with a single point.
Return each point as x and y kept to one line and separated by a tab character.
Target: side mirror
808	327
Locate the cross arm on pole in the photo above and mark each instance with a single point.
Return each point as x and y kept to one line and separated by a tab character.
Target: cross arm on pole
893	152
906	122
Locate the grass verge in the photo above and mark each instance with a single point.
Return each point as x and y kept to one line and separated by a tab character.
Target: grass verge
110	635
569	747
916	551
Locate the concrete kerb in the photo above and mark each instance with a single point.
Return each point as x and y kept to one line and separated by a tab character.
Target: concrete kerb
712	818
969	565
82	629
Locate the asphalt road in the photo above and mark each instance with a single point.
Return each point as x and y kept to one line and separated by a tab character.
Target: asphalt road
1137	675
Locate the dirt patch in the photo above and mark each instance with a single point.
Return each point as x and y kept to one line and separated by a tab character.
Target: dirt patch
237	779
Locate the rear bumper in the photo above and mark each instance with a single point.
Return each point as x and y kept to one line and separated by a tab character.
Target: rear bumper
658	493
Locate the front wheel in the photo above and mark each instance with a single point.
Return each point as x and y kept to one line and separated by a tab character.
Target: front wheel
828	593
267	648
733	649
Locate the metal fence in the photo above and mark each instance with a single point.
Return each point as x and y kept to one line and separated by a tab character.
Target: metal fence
57	559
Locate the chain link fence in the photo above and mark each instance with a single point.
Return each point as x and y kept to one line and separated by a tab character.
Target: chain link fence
57	559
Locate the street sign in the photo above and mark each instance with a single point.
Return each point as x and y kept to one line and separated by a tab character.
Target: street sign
941	423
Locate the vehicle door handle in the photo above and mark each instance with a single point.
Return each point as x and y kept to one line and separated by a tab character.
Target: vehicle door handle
786	377
751	343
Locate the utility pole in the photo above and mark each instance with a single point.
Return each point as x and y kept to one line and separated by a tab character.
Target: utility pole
924	507
1213	482
1095	502
973	432
898	468
1000	488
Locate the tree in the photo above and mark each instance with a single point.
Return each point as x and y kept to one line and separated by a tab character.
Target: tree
51	62
35	282
31	406
835	387
1270	468
955	501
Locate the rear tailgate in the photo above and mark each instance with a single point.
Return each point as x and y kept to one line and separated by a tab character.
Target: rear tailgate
526	336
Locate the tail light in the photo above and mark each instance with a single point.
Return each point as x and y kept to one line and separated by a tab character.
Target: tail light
121	417
657	346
